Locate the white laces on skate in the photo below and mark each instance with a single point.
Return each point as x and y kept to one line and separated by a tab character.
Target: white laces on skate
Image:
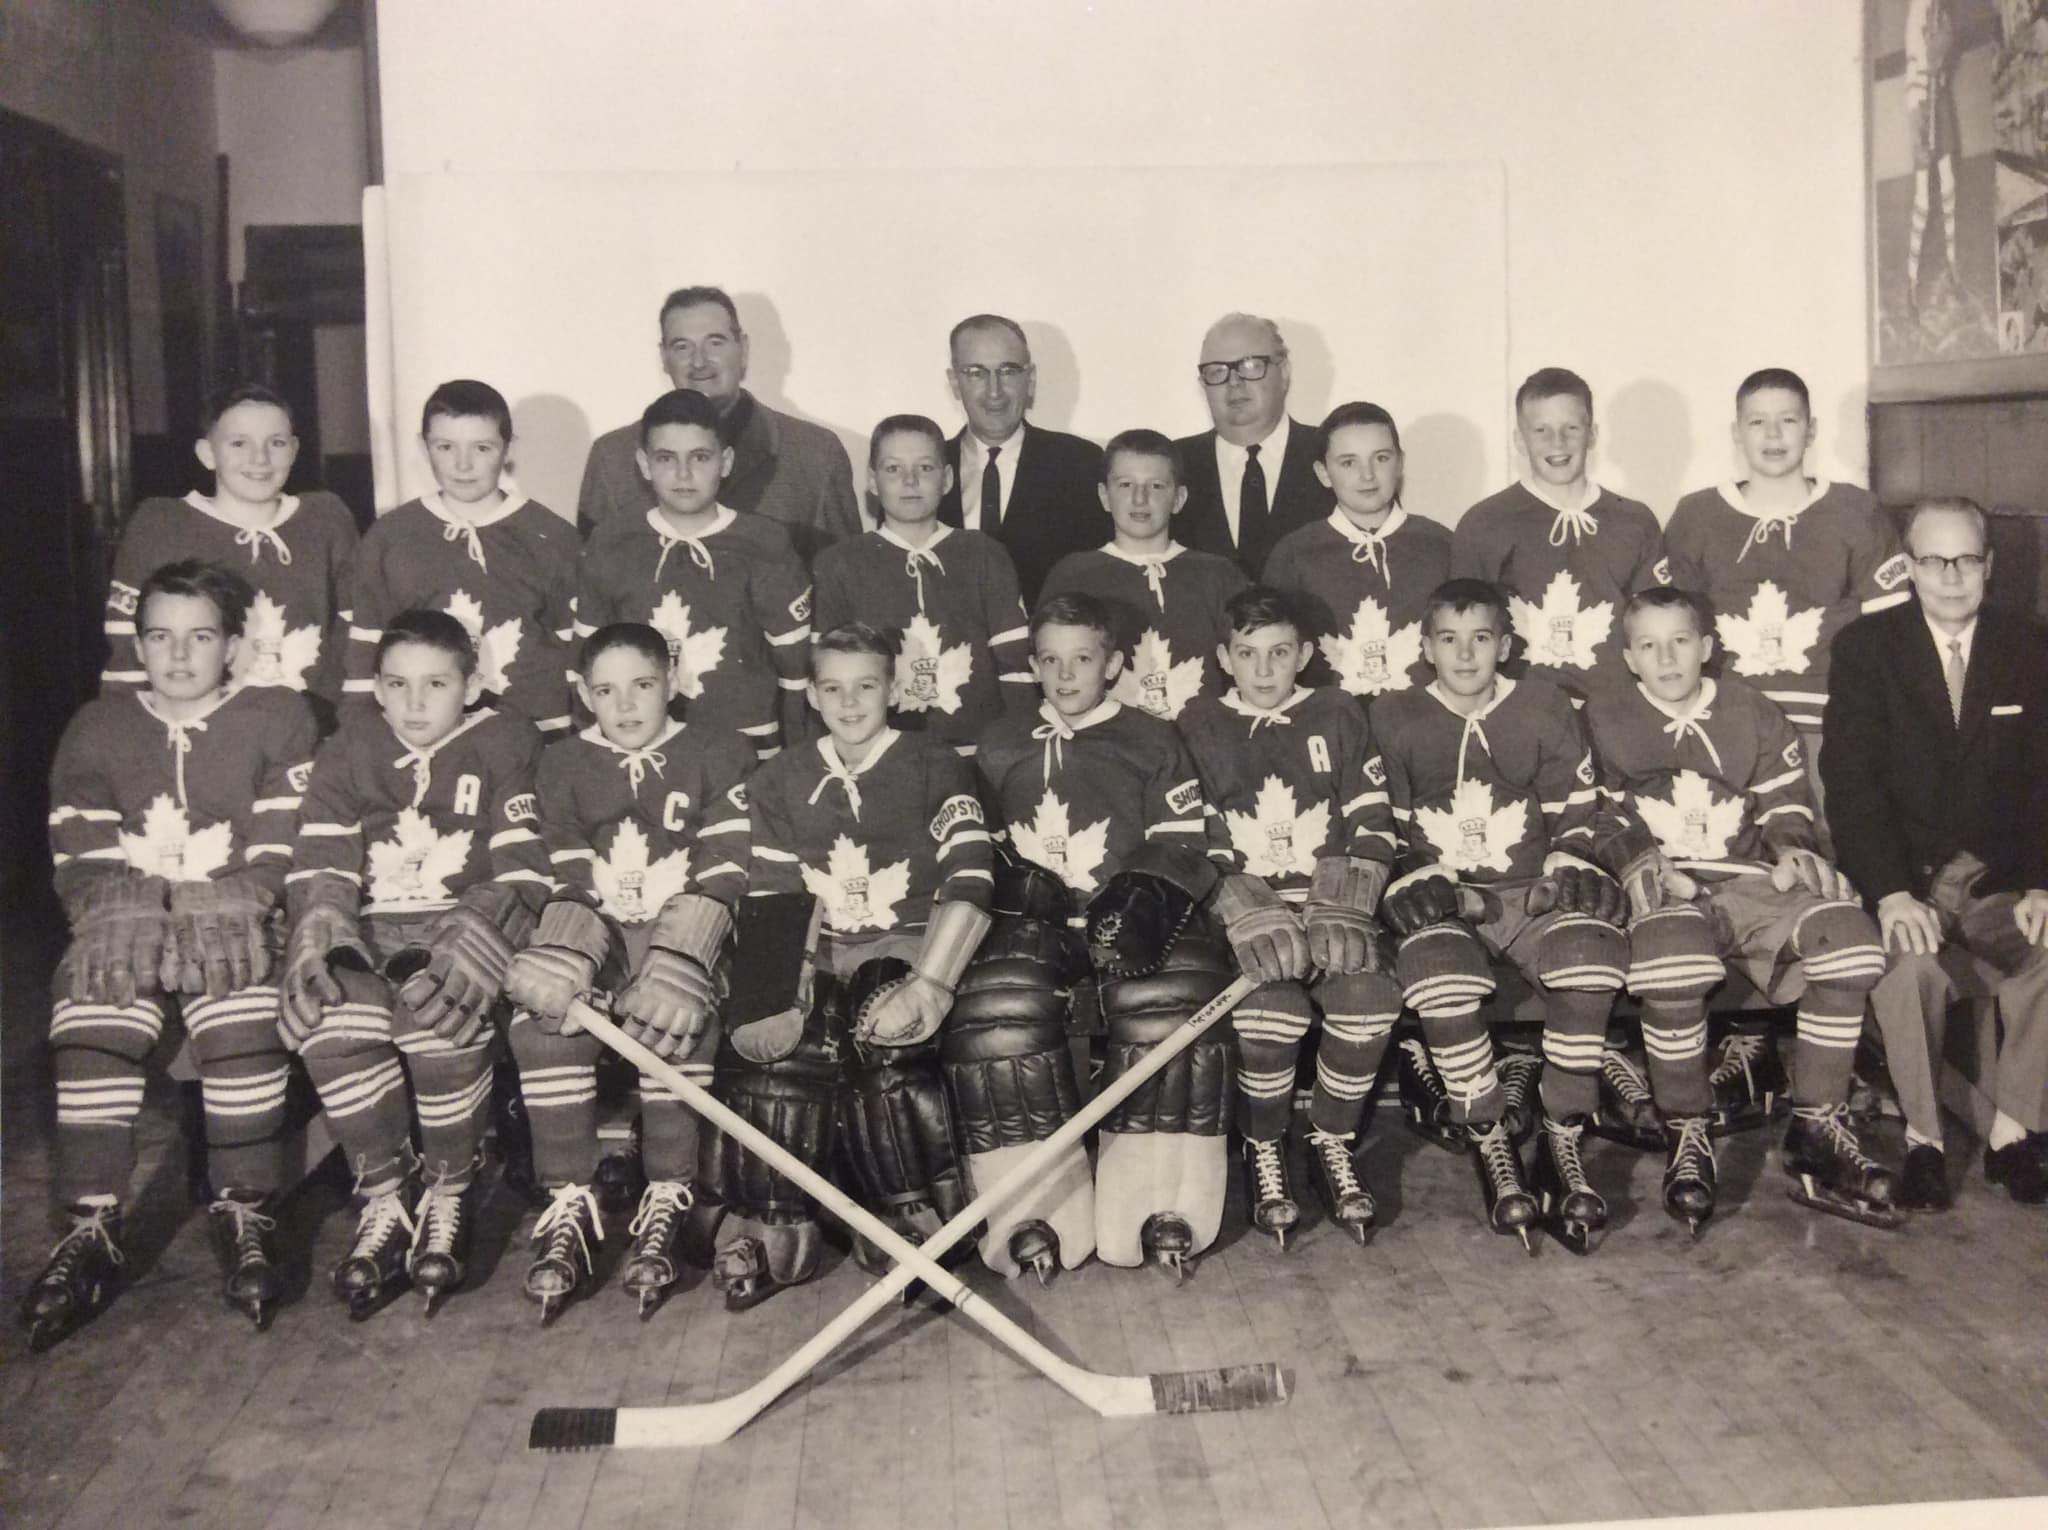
380	1216
561	1218
1151	565
1334	1148
1565	1142
439	1224
1269	1169
1498	1154
1624	1077
1694	1149
1833	1121
1739	1053
663	1201
250	1224
96	1224
1370	547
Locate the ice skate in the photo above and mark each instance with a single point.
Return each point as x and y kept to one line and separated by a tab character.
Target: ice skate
740	1270
1269	1191
1690	1177
651	1264
80	1279
1832	1173
1510	1208
565	1239
1520	1073
1572	1210
1168	1242
1334	1172
440	1243
1424	1100
1747	1081
1628	1113
373	1271
1034	1246
242	1223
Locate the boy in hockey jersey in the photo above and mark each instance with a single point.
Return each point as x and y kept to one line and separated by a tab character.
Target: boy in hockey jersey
475	547
418	867
726	589
952	594
1302	793
882	829
645	821
1168	599
170	826
1706	817
1567	551
1492	788
297	550
1365	573
1105	797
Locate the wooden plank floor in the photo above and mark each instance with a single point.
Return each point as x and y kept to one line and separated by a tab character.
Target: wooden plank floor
1441	1377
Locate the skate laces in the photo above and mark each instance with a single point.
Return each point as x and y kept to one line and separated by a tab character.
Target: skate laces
1739	1054
1335	1152
1833	1121
1624	1077
1694	1150
1497	1153
380	1217
1270	1169
439	1222
1564	1143
660	1204
250	1224
87	1228
561	1221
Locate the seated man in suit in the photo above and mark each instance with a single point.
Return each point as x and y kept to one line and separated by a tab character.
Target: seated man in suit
1031	489
1252	479
787	469
1937	717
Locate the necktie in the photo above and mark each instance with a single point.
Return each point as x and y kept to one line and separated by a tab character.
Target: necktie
1952	672
991	493
1251	504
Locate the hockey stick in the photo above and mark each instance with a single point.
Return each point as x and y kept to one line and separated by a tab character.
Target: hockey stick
1223	1389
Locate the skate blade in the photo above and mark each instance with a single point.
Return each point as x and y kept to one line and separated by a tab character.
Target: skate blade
1889	1219
1045	1268
259	1314
1642	1140
1528	1243
1576	1237
1430	1131
651	1302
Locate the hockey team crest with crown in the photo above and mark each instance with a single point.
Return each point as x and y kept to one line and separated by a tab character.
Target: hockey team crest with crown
1153	682
1562	631
929	673
1373	655
1772	637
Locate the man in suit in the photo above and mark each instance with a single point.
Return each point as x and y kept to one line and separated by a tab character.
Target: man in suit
1252	479
1931	751
1031	489
782	467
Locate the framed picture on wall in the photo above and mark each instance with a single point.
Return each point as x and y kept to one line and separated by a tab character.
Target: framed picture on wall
1956	145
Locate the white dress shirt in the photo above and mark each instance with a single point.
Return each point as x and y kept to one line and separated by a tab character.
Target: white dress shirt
973	459
1230	461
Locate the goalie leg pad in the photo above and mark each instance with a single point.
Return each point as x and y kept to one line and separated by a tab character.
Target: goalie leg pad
1445	976
1270	1024
789	1099
244	1072
97	1052
897	1133
1359	1014
558	1081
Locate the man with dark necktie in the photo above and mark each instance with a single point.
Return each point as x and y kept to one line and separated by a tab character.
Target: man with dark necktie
1252	479
1936	726
1031	489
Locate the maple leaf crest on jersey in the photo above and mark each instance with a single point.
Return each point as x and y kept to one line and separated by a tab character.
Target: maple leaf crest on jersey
1372	655
1472	834
168	848
1771	637
1153	683
1560	631
929	674
270	653
496	647
1692	826
1274	839
1049	840
694	654
856	895
414	865
632	888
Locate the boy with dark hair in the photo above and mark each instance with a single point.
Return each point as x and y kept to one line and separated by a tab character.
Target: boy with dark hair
296	550
1567	551
1363	572
950	593
726	590
1302	793
1106	797
1706	817
1492	788
475	547
645	821
414	880
170	827
1168	599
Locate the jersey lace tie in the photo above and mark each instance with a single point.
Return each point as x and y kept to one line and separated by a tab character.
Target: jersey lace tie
1689	724
453	530
914	560
179	740
1054	733
1760	534
256	538
1572	525
836	770
1154	567
699	555
637	762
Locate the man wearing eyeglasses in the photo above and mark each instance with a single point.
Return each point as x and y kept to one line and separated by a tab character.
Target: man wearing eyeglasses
1932	755
1252	479
1030	488
785	468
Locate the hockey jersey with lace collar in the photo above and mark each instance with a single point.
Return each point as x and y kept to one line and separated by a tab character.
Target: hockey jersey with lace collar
1721	784
1077	797
1292	785
966	652
1366	593
877	844
1491	795
1784	585
628	829
1169	609
508	575
1567	571
301	565
410	830
217	794
734	602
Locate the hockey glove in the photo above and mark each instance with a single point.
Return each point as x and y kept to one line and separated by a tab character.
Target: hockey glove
219	928
1264	933
1342	896
1805	868
1572	886
1422	898
467	954
672	999
1134	921
561	964
326	936
912	1009
122	935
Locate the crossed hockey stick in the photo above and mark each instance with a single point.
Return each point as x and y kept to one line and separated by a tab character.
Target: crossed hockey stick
1224	1389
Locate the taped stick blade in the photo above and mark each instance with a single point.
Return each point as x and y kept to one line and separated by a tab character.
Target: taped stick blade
1226	1389
573	1429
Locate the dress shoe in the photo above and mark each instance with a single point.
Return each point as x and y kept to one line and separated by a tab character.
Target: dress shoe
1923	1184
2017	1166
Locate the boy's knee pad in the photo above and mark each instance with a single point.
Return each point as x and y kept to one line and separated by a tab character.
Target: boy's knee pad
1581	954
1672	957
1839	947
1443	969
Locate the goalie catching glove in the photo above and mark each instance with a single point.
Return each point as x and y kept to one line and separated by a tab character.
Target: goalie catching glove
912	1008
1264	933
217	927
671	1001
122	941
1343	895
560	965
451	982
1134	921
327	934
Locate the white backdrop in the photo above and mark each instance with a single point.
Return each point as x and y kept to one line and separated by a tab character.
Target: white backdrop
1389	282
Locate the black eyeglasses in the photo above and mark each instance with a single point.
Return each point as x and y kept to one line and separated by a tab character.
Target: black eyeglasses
1009	374
1251	368
1933	564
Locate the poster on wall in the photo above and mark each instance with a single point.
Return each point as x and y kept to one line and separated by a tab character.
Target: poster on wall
1957	125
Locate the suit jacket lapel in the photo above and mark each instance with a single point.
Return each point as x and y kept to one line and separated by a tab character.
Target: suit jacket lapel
1297	470
1208	528
1025	489
1920	664
949	507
